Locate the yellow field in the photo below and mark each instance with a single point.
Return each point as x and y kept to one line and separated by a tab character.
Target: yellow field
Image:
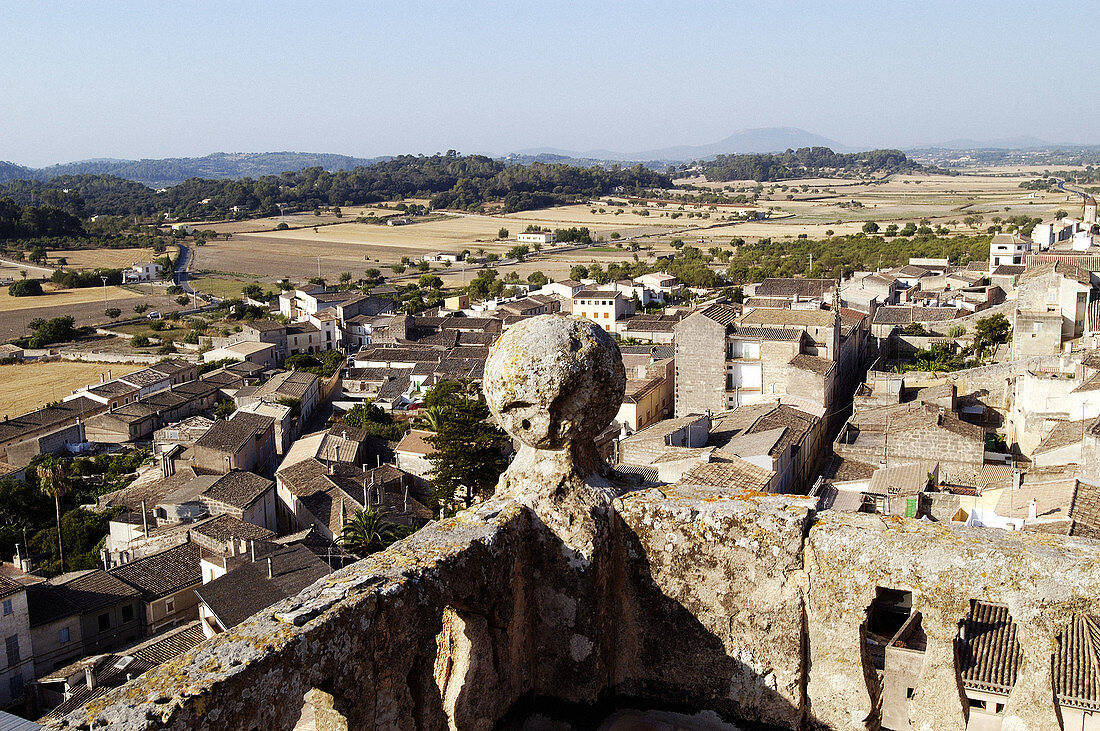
106	258
64	297
30	385
296	220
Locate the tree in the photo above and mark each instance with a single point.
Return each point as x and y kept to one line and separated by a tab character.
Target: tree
578	272
469	449
537	278
53	481
182	300
502	233
25	288
140	309
870	227
430	281
368	531
139	341
252	291
112	312
992	330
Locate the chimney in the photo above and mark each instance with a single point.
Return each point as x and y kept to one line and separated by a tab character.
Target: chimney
101	378
270	570
252	549
336	451
1032	510
108	374
89	677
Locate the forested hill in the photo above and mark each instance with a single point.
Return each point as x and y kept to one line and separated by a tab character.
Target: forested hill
171	171
11	171
807	162
469	182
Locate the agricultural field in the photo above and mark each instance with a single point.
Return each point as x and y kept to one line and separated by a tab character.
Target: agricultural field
85	305
815	207
28	386
104	258
59	298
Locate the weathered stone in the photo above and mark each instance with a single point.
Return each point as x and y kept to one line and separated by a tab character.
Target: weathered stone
554	383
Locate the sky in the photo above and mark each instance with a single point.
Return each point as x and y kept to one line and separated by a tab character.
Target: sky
178	79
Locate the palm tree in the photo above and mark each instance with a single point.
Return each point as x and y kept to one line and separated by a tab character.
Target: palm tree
53	481
369	531
433	416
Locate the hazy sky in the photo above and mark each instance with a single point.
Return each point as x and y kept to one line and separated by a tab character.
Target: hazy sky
144	79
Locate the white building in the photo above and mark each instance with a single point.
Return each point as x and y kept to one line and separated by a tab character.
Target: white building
543	238
143	271
1007	249
602	307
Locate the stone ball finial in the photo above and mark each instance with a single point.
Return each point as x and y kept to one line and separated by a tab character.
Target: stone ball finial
554	380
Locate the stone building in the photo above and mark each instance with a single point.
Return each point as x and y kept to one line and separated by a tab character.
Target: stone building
725	359
243	442
897	435
1052	299
166	583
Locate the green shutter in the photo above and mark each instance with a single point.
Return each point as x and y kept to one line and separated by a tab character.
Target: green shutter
911	507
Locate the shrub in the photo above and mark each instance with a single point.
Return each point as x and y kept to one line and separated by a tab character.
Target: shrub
182	300
139	341
112	312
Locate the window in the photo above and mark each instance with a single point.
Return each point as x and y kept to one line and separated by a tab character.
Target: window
128	613
104	622
63	635
975	703
8	607
11	644
15	685
170	603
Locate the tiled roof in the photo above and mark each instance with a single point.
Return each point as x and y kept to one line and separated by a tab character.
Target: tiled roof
1066	268
1053	500
1063	434
908	479
115	669
239	489
231	435
1086	511
225	528
779	334
292	384
416	442
731	472
814	363
1008	270
1077	663
722	314
907	314
246	590
988	652
9	587
162	573
794	286
765	316
91	590
51	416
606	294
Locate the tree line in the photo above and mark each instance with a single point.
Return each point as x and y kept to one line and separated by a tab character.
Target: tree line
451	180
806	162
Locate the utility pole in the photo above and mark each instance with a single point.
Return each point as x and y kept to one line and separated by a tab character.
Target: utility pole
104	293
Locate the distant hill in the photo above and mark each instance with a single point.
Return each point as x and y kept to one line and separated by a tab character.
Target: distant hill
171	171
762	139
11	171
220	165
1020	142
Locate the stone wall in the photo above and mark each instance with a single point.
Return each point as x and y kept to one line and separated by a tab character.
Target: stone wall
748	605
700	366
